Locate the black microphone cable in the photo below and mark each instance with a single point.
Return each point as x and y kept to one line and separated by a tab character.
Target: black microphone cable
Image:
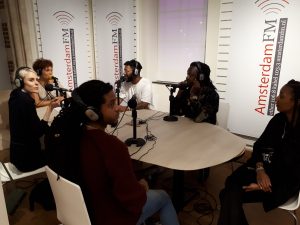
117	127
156	116
146	139
149	137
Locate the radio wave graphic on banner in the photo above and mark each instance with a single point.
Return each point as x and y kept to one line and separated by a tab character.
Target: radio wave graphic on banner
63	17
114	18
271	6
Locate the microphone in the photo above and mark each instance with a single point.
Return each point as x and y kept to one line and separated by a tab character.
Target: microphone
50	87
121	80
182	85
54	78
132	103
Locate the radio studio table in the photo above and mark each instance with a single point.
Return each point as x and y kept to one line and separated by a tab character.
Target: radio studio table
181	145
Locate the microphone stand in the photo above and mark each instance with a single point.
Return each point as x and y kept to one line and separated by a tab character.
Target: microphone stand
137	141
171	117
118	91
56	85
62	93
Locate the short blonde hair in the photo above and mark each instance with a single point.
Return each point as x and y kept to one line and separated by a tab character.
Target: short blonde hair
23	71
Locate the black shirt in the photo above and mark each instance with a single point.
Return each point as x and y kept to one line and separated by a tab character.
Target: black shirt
25	131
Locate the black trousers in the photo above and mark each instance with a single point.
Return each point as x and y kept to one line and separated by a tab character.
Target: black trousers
233	196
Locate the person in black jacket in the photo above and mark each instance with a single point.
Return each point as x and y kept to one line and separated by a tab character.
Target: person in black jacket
26	128
271	175
197	97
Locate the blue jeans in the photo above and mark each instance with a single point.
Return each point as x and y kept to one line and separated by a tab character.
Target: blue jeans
159	201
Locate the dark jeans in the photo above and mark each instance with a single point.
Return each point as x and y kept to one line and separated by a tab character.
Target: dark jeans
233	196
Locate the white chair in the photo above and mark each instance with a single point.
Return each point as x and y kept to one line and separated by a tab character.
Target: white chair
3	211
291	206
70	205
15	173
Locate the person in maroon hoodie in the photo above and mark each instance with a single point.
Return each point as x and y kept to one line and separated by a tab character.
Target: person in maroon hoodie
112	193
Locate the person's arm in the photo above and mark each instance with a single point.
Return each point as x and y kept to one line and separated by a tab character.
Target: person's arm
35	125
204	102
40	102
182	87
286	174
146	96
127	190
142	105
53	104
266	139
44	102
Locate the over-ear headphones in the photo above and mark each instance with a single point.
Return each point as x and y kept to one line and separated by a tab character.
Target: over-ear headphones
199	68
90	111
136	70
19	82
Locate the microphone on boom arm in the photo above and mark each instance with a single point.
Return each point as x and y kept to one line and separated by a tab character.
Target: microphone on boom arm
121	80
182	85
51	87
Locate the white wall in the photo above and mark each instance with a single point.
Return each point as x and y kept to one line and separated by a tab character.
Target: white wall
212	36
148	49
147	45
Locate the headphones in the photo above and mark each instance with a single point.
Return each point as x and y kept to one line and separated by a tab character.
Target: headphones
18	79
198	66
136	70
89	111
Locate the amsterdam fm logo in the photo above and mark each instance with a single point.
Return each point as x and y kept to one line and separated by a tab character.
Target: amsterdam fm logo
114	19
273	38
68	39
271	6
63	17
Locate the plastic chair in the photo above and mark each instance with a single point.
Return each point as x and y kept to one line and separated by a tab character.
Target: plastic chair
3	211
70	205
291	206
8	169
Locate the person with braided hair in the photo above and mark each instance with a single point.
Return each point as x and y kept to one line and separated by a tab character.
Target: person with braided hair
271	175
197	97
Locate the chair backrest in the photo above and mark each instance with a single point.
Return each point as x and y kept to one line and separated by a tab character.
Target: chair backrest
70	205
222	114
3	211
292	204
15	173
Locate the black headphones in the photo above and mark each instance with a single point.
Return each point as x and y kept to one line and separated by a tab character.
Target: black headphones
136	70
19	82
199	68
90	111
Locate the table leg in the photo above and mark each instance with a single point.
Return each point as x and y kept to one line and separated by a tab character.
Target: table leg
178	189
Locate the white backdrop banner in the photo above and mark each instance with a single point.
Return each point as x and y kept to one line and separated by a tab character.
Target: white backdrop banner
65	37
115	36
262	59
